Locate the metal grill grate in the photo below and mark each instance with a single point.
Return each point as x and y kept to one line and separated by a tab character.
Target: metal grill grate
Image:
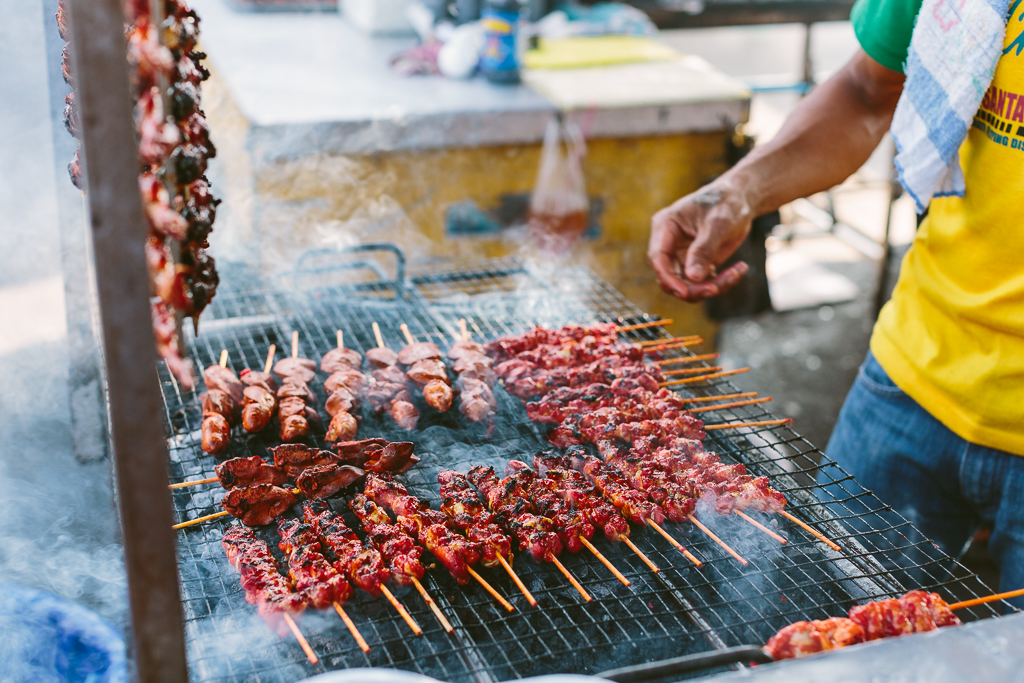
682	610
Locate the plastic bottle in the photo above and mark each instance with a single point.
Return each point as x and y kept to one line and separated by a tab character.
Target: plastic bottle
500	59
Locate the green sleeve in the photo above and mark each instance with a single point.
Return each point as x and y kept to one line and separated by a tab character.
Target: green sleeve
884	27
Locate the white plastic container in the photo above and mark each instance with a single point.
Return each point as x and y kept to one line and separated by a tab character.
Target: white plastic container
378	17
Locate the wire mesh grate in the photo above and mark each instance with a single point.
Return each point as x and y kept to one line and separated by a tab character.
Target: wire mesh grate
682	610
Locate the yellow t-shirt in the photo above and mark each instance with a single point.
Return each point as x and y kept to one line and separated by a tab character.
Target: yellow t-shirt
952	336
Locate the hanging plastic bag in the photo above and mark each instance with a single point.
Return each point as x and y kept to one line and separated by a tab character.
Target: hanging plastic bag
559	209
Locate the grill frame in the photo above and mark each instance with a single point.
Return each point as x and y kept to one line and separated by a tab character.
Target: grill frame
683	610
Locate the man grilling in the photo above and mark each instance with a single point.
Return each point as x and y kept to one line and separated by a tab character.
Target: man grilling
934	423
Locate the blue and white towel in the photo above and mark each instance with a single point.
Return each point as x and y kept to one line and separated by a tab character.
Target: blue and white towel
953	54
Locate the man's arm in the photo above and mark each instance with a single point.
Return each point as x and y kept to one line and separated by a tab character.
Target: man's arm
828	137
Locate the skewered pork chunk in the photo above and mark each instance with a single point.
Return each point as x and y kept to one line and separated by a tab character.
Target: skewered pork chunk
296	388
513	345
248	471
476	400
466	347
467	512
340	401
258	378
216	402
223	379
299	368
293	409
477	368
341	359
404	413
381	357
509	500
294	458
419	351
258	407
216	434
323	481
258	504
438	395
427	370
346	378
343	427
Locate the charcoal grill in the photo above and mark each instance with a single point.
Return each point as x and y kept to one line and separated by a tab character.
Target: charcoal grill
683	610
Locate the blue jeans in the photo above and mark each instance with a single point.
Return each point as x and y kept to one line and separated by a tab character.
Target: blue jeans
943	485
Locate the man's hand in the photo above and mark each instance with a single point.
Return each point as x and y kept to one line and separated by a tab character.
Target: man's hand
691	238
829	135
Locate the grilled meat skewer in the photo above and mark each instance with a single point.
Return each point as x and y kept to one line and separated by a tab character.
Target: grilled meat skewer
265	587
466	512
425	368
344	386
238	472
224	393
319	584
259	398
388	390
476	378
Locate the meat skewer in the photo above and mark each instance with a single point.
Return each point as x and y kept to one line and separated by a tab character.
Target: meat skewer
397	548
264	585
359	562
476	377
914	612
509	502
572	525
220	404
467	512
509	346
295	400
259	399
429	527
344	385
319	583
427	371
388	390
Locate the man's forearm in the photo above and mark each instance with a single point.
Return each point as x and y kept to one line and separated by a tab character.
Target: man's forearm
825	140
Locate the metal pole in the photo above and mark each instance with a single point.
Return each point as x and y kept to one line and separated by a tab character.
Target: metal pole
118	233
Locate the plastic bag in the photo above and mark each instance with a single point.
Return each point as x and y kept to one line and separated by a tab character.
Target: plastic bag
559	208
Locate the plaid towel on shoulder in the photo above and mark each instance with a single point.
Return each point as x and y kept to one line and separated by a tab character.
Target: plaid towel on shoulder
953	54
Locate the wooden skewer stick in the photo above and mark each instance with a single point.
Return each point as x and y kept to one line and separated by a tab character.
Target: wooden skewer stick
571	579
662	342
377	335
490	589
705	399
759	423
714	375
696	341
744	516
693	371
734	404
462	329
223	358
295	343
351	627
717	540
643	326
270	358
401	610
604	560
432	605
989	598
519	582
200	520
646	560
408	335
310	655
687	359
813	532
194	482
676	544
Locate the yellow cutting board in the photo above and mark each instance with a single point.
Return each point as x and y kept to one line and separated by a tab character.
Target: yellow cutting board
584	51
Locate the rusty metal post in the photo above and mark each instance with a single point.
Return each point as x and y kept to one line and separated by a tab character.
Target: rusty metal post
137	435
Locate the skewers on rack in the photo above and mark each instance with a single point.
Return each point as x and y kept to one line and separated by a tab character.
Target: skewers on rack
425	368
429	527
509	501
398	549
467	512
344	385
387	389
295	408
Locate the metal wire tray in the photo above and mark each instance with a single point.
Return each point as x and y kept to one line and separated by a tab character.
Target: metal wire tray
680	611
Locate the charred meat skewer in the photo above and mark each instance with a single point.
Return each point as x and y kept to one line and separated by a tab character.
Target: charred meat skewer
265	587
425	368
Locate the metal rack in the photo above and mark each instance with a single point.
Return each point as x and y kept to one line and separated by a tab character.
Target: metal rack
683	610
